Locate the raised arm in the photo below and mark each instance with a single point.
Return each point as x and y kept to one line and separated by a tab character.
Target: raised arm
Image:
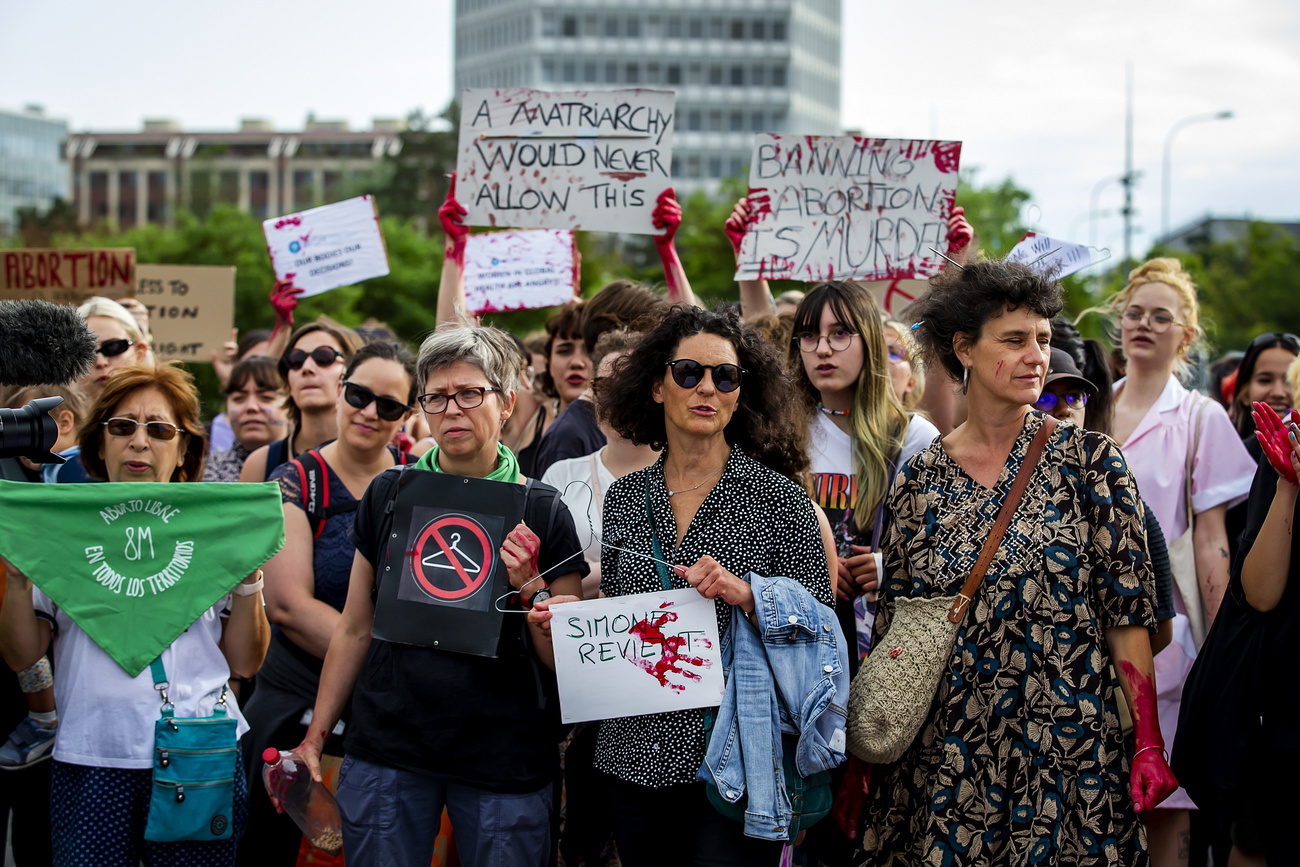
668	216
1267	565
755	295
451	286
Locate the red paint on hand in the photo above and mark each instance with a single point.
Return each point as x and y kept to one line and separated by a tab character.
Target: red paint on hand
960	232
1150	779
284	298
741	218
671	659
667	215
852	797
450	215
1274	438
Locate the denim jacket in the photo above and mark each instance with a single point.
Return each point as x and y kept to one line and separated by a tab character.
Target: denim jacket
789	676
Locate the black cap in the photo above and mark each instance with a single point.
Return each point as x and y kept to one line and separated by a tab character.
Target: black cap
1063	367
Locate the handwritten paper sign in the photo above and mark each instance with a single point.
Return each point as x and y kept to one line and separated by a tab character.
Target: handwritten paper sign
519	270
576	160
191	308
632	655
848	208
1049	256
327	247
67	276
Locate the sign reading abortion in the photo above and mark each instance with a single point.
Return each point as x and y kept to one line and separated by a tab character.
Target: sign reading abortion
66	276
632	655
519	270
327	247
577	160
848	208
1049	256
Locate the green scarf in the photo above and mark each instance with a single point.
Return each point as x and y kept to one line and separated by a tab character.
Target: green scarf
507	464
135	563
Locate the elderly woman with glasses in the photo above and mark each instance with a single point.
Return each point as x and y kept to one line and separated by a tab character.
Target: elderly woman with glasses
432	728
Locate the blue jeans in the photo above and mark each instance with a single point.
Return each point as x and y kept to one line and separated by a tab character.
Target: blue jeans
391	819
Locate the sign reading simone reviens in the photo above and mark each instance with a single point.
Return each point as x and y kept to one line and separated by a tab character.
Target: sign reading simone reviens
134	564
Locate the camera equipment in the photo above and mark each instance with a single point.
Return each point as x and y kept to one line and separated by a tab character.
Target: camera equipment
30	432
43	344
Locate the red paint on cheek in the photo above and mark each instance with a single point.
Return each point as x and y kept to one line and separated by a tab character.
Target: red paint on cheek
998	372
671	658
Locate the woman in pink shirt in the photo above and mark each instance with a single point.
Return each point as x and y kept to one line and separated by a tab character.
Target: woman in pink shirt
1157	422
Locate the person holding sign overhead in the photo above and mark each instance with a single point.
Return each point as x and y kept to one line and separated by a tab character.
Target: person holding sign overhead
450	716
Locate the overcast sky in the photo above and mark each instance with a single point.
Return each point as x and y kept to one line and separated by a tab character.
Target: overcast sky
1035	91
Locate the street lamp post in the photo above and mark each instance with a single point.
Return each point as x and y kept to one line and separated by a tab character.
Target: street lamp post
1169	148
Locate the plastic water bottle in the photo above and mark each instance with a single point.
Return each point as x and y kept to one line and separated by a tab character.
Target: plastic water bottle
308	803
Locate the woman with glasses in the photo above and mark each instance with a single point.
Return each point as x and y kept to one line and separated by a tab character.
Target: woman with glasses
859	434
906	372
310	368
722	506
120	341
433	728
307	581
1159	424
143	427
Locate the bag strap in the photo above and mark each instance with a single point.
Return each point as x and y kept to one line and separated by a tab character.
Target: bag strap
658	549
972	585
1193	443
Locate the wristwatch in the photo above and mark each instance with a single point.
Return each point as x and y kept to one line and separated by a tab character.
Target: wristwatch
540	595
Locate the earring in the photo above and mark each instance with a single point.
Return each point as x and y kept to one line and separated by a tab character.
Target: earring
965	379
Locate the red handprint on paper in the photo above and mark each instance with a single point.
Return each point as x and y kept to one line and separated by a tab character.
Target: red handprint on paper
671	659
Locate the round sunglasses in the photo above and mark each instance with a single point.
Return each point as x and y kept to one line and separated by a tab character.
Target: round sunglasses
385	407
1049	402
689	373
324	356
126	427
114	348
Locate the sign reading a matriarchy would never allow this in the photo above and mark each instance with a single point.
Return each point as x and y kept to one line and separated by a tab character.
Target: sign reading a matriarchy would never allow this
587	159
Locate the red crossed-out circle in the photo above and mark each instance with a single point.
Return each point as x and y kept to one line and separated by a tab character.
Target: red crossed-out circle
437	533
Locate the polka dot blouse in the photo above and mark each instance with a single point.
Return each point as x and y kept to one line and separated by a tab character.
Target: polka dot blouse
754	520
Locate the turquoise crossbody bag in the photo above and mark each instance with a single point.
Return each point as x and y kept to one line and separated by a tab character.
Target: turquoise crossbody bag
194	766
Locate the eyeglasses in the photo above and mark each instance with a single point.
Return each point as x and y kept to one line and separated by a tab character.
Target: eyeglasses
837	340
157	430
689	373
385	407
324	356
1157	320
896	355
1049	402
466	398
114	348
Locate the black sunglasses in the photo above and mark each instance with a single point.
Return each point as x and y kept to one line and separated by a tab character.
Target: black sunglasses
1049	402
385	407
1290	341
114	348
324	356
688	373
126	427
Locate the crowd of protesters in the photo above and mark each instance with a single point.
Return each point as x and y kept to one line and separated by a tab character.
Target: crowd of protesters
802	453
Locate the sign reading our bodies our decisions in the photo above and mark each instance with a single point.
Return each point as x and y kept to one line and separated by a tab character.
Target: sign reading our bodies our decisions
631	655
191	308
848	208
577	160
519	270
1050	256
66	276
327	247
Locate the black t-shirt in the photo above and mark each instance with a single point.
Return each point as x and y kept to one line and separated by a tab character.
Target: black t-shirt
489	723
573	434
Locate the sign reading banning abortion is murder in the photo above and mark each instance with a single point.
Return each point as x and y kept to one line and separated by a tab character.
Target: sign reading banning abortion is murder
847	208
327	247
632	655
66	276
578	160
191	308
519	270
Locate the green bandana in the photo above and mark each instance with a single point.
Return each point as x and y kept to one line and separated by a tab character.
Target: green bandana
507	464
135	563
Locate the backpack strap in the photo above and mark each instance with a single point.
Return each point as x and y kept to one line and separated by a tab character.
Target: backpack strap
315	477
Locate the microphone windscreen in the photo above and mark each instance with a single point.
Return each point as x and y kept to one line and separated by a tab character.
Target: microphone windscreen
43	344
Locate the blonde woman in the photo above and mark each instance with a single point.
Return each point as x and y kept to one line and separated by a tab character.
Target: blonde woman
1157	422
120	341
906	370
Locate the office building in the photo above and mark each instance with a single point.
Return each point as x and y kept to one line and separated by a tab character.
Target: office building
32	173
738	67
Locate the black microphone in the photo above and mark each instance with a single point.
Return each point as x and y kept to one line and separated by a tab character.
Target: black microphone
43	344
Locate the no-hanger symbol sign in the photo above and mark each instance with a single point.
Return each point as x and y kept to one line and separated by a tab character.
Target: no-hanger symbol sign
452	558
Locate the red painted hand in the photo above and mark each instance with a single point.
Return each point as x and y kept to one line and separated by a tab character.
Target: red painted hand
1278	441
737	223
667	215
450	215
960	233
1150	779
520	552
284	298
852	797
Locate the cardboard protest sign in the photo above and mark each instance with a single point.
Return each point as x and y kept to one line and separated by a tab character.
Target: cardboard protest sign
191	308
848	208
587	159
327	247
519	270
67	276
632	655
1049	256
135	563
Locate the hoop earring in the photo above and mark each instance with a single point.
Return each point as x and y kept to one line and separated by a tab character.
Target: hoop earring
965	379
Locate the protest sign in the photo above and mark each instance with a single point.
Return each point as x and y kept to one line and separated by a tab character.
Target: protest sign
519	270
67	276
135	563
895	295
191	308
847	208
632	655
327	247
1049	256
578	160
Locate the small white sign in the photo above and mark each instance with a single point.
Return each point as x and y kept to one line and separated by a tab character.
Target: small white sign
632	655
1047	255
327	247
519	270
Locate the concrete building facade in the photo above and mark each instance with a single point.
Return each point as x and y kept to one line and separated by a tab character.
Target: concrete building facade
32	173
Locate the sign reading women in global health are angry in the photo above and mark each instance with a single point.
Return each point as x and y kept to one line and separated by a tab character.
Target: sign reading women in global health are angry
632	655
576	160
848	208
520	270
327	247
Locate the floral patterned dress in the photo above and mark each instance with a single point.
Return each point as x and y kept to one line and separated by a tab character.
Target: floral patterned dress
1020	760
